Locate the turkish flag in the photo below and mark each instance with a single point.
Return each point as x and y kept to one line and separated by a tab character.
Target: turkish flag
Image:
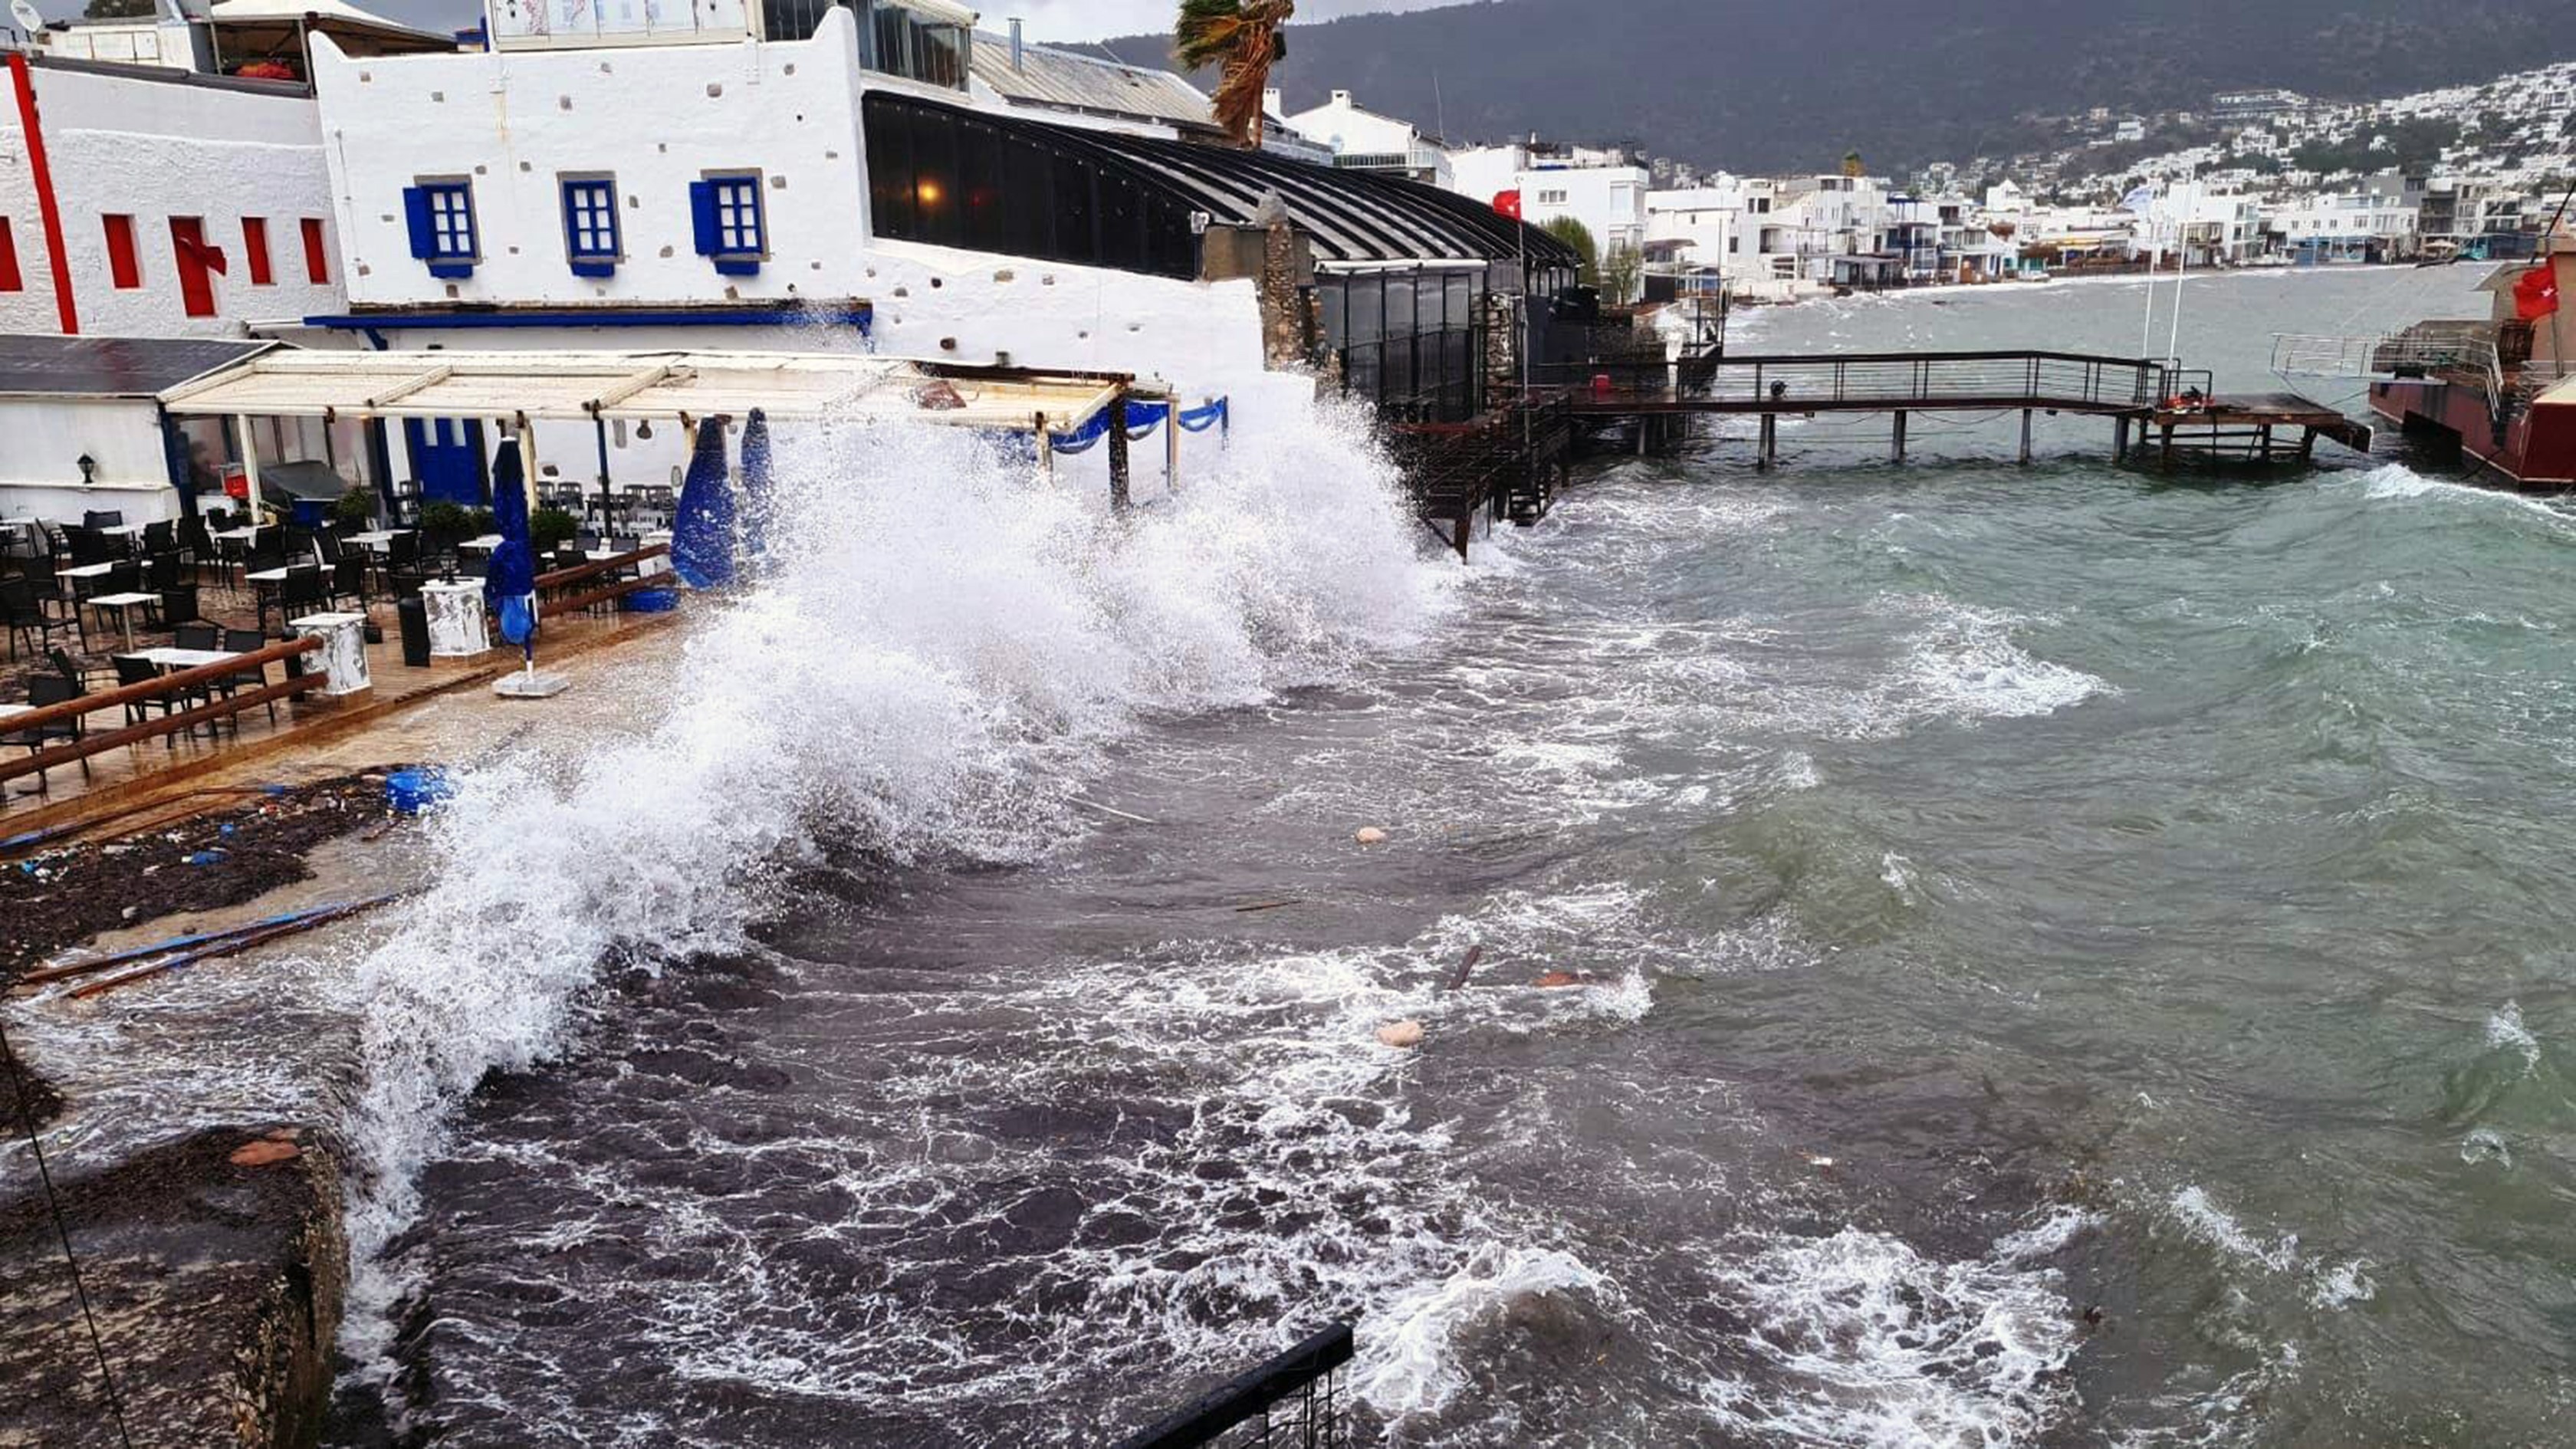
1508	203
209	257
2535	295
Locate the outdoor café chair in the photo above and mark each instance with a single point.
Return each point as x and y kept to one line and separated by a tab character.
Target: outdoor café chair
42	690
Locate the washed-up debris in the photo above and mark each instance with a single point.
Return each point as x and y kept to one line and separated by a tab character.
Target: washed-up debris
1558	980
1406	1033
1268	905
1369	835
234	942
1109	810
263	1153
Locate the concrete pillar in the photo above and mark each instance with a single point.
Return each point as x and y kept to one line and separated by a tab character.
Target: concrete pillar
1769	451
2119	439
1899	450
2025	435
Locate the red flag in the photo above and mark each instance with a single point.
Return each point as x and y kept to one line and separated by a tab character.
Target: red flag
1508	203
204	255
2535	295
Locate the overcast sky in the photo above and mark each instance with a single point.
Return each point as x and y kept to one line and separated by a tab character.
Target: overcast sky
1049	20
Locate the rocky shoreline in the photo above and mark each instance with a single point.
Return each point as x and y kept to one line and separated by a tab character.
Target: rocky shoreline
215	1262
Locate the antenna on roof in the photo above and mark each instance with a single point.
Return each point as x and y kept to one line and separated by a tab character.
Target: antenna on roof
28	18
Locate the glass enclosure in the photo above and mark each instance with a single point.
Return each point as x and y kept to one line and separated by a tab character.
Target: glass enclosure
954	178
1410	340
894	39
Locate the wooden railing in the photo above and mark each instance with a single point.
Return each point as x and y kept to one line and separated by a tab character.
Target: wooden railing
579	573
179	682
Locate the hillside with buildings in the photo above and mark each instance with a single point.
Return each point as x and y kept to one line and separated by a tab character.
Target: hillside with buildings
1775	87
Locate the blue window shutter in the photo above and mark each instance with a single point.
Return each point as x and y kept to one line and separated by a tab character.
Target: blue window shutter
424	233
702	212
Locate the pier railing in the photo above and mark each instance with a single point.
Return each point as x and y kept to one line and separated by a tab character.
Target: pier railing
1879	382
1295	1399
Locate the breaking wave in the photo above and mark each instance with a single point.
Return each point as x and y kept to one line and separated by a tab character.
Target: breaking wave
921	676
1865	1340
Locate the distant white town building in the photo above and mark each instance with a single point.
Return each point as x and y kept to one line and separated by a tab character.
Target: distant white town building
1364	140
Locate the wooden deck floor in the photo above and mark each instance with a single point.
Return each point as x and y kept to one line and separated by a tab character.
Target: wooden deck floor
310	739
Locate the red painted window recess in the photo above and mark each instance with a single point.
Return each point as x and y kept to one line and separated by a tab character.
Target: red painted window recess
255	248
10	281
317	262
124	267
199	265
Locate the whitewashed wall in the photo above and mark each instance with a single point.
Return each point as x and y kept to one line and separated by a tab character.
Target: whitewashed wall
155	147
40	466
657	117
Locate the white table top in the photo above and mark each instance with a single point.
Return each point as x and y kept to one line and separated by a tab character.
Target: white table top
319	622
173	658
486	542
84	571
16	525
236	535
460	586
7	710
125	530
120	601
266	576
377	538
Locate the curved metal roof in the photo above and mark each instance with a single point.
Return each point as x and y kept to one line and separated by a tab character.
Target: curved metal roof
1349	216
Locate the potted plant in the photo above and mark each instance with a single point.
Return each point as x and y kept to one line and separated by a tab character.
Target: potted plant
445	523
549	529
355	510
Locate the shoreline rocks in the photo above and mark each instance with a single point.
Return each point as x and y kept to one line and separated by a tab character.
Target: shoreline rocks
216	1273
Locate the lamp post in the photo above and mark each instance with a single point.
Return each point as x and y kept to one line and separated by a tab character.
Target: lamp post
89	469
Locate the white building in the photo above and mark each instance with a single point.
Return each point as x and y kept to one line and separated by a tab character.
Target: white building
154	202
1601	188
1364	140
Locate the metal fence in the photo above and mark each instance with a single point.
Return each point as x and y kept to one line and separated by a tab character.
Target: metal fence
1891	381
1295	1401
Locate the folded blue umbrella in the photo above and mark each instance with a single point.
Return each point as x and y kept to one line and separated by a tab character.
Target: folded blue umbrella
702	534
759	492
510	580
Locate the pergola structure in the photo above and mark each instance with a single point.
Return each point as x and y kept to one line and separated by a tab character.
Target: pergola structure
598	387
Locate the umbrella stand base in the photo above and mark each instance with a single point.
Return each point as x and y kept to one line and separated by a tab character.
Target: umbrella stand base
531	684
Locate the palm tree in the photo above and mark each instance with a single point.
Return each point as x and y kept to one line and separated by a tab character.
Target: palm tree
1241	38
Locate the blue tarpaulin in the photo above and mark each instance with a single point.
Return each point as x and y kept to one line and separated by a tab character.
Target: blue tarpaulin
702	533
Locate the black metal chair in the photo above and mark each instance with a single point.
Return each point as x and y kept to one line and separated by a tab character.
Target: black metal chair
246	641
28	611
103	518
130	670
305	591
161	537
43	690
197	634
349	579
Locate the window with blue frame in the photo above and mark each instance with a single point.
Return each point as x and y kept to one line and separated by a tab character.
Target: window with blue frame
731	231
590	225
441	217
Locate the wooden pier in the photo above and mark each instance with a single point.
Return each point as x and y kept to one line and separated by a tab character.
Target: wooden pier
2152	400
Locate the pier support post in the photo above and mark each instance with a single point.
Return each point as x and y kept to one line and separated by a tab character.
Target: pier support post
2166	460
2266	442
1899	452
2119	440
2025	436
1770	447
1118	450
1645	429
2307	444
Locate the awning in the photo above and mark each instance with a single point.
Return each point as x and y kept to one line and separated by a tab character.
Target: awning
41	365
587	385
276	25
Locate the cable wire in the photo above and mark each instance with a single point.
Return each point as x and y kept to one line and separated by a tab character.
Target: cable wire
62	1230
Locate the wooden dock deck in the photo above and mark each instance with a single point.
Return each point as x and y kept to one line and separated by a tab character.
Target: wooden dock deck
2154	398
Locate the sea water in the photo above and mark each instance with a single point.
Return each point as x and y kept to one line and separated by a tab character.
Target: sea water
2063	955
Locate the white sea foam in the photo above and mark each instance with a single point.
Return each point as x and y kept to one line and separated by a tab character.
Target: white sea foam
2506	1031
1866	1341
2396	481
1410	1364
940	638
2211	1224
1966	664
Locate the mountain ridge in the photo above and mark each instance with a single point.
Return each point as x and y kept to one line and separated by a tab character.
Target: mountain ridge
1723	83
